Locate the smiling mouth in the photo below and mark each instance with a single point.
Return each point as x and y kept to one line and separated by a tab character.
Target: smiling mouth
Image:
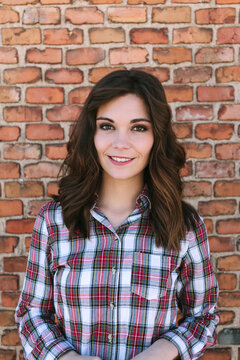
121	160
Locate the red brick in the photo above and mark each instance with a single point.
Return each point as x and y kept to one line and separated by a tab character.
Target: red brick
128	55
209	225
10	338
85	56
8	55
214	131
227	188
215	16
194	112
127	14
34	207
15	264
226	318
192	74
57	151
217	354
44	95
18	2
95	74
42	169
64	76
21	151
217	207
79	95
52	188
178	93
64	113
28	240
229	226
55	2
84	15
221	243
10	208
227	2
8	282
20	226
9	94
21	36
63	36
106	35
14	189
191	34
9	133
22	75
8	244
7	354
22	114
171	14
214	169
227	281
149	36
228	151
147	2
172	55
215	93
46	56
8	15
190	1
187	169
214	55
228	35
229	299
198	151
105	2
197	188
159	72
44	132
229	263
7	318
9	170
41	15
229	112
182	131
228	74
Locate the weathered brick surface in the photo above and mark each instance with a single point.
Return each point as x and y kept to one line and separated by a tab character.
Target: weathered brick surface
51	54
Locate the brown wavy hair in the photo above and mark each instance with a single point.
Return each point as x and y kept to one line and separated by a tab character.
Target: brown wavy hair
170	216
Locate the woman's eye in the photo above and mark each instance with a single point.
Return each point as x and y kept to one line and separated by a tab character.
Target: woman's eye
106	127
139	128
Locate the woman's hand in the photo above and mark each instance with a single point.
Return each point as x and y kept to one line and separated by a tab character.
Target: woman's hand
72	355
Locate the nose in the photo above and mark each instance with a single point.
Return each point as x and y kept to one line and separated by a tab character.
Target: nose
121	140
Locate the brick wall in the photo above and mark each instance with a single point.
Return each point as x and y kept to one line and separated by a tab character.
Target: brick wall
51	54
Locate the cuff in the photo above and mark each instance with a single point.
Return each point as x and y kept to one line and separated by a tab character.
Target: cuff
52	351
181	343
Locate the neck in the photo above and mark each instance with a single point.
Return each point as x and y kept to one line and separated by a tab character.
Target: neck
119	195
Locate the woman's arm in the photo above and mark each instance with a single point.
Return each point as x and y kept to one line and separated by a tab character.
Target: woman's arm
40	335
197	298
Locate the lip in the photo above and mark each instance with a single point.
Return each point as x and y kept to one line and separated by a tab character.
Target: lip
118	163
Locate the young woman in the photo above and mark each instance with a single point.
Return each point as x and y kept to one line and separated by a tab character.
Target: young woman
118	251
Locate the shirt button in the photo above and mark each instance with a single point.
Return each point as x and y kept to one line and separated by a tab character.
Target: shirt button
114	270
110	338
116	238
111	305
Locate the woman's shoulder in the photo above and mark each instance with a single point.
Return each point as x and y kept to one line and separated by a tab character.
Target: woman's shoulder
51	211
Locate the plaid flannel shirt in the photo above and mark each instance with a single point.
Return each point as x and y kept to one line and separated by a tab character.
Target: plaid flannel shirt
114	294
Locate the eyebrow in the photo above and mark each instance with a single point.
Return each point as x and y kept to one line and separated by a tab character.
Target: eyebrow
133	121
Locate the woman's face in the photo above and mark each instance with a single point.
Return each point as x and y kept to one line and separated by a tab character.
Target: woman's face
123	137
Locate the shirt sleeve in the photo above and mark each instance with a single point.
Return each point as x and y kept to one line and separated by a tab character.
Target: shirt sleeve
41	337
197	292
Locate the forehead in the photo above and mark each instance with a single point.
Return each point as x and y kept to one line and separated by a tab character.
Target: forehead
129	105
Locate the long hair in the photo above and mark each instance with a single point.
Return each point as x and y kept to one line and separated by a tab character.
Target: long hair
170	217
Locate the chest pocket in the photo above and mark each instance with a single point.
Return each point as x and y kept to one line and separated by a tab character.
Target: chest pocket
151	275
